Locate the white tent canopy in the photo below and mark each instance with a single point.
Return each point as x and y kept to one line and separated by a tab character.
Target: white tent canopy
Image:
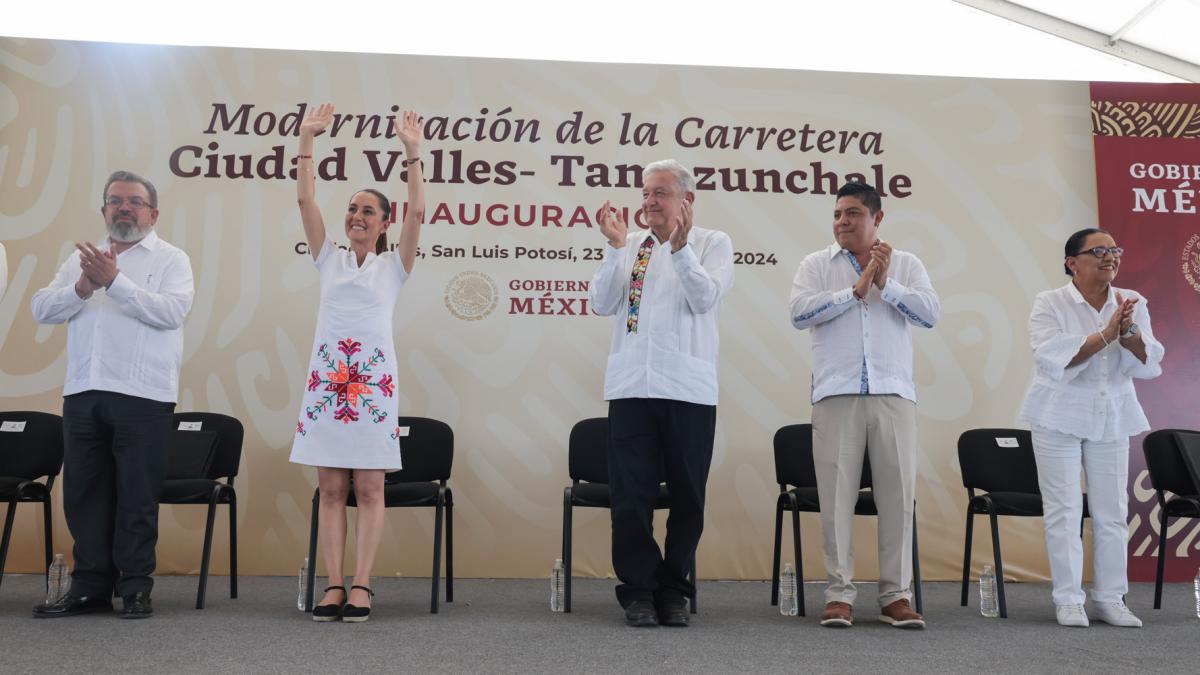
933	37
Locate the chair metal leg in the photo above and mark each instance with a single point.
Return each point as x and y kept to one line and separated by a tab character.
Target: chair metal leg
312	554
966	580
566	550
799	558
1162	555
692	600
916	563
233	571
48	531
437	550
775	556
207	552
999	564
449	546
8	525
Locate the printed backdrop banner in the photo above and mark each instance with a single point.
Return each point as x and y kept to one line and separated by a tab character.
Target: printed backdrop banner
983	179
1147	141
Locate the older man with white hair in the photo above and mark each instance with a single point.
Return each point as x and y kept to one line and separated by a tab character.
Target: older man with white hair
664	285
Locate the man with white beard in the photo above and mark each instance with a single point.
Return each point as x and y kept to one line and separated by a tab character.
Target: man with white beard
124	302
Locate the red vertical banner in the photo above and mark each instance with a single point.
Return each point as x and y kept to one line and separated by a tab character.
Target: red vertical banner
1147	141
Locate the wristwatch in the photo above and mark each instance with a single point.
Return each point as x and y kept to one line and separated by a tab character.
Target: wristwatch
1131	331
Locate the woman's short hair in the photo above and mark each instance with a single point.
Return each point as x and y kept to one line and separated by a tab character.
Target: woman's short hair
1075	244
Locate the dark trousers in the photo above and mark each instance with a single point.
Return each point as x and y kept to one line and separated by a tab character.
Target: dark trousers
651	441
114	464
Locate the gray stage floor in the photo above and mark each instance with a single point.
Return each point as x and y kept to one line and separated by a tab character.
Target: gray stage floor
504	626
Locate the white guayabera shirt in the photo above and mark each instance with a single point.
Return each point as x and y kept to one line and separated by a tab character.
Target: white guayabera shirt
1094	400
127	339
673	352
861	347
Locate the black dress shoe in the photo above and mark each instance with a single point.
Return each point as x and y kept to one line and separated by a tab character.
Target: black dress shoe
673	614
641	614
72	604
137	606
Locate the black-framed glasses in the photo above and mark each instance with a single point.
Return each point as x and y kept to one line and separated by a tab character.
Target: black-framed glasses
135	203
1101	251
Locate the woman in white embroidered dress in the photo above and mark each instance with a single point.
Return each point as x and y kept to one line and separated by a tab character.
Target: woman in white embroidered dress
347	424
1090	339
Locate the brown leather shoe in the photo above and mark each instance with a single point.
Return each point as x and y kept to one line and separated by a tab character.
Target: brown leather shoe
837	615
900	614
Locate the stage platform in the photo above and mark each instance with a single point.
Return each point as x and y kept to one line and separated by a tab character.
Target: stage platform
505	626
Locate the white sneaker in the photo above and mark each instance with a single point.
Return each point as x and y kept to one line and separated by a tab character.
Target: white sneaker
1116	614
1071	615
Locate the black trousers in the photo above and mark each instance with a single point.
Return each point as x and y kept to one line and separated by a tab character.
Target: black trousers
114	464
651	441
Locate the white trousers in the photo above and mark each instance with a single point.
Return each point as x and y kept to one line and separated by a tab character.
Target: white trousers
883	428
1106	463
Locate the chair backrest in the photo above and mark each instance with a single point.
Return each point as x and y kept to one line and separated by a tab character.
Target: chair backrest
228	456
794	458
427	452
1165	463
587	451
989	463
33	445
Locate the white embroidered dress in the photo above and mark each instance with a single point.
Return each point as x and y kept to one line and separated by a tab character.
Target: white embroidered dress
348	418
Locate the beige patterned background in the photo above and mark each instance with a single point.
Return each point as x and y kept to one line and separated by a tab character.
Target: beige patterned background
1001	172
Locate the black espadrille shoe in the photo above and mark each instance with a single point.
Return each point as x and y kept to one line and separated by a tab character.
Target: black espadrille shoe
330	612
354	613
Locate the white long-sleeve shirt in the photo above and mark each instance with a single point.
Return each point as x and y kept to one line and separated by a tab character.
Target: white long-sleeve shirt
861	347
127	339
1095	399
673	354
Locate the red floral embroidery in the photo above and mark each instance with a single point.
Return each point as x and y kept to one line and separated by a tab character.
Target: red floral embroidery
349	347
350	384
300	429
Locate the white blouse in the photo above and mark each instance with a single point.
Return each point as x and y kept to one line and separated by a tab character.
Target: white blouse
1093	400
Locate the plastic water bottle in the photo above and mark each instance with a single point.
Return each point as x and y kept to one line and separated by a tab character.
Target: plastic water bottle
1196	587
59	581
787	591
557	586
987	593
303	584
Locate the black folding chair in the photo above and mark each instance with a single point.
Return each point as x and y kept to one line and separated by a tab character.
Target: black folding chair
1169	473
427	453
587	464
794	467
31	446
999	462
204	455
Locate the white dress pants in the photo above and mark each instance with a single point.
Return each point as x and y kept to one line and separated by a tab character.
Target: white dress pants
1106	463
884	428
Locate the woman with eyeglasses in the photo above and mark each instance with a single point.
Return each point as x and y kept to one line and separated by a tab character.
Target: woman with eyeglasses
347	423
1090	339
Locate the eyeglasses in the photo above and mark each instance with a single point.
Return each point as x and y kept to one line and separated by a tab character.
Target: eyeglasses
135	203
1101	251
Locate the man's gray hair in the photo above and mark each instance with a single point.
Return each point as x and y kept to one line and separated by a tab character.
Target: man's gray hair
687	182
131	177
